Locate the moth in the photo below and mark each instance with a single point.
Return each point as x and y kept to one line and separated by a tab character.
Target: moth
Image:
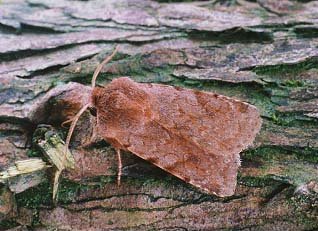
194	135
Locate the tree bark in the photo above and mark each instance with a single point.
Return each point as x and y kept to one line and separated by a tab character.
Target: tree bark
263	52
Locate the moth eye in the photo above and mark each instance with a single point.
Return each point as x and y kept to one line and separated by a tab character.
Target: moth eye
93	111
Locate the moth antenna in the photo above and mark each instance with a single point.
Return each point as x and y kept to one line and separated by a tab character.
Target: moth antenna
120	165
100	66
72	127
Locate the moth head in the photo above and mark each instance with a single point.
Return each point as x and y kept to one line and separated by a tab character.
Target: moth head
90	106
97	94
93	111
121	98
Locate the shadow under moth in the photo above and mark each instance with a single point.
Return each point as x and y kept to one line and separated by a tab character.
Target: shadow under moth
194	135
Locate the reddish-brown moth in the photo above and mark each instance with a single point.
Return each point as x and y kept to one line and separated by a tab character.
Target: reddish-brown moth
194	135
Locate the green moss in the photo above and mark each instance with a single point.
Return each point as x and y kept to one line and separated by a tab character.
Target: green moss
34	153
35	219
8	224
275	153
68	191
294	83
292	119
140	71
36	196
304	210
130	65
287	119
136	68
284	69
259	182
292	166
42	194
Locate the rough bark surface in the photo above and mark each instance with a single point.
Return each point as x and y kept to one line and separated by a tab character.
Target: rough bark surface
263	52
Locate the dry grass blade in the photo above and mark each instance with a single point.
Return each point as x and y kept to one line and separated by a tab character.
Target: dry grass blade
23	167
56	183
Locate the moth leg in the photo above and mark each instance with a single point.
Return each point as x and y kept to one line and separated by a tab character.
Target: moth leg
72	127
120	165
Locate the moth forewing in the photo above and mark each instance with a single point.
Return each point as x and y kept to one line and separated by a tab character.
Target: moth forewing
196	136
